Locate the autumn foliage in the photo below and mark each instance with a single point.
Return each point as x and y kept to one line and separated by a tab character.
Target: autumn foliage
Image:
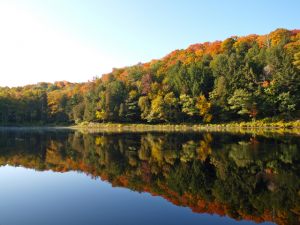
239	78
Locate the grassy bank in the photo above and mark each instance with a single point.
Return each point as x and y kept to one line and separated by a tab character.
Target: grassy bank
254	127
263	126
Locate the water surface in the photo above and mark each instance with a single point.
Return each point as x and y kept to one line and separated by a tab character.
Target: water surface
67	177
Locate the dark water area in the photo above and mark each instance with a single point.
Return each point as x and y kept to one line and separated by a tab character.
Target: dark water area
56	176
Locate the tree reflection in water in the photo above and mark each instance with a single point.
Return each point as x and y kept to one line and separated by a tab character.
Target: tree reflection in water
242	176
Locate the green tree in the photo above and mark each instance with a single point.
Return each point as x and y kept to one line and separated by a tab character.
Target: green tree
188	105
243	102
132	110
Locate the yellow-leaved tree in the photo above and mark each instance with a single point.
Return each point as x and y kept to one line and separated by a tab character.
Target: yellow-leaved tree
204	106
297	60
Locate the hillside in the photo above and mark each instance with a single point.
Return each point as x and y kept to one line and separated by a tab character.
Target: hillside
240	78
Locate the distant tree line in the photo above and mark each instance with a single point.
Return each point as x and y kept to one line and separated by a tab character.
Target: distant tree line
240	78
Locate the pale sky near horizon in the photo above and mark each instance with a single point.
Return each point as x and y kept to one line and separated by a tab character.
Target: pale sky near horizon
76	40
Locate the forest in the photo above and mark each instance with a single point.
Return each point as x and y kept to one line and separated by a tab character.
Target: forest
238	79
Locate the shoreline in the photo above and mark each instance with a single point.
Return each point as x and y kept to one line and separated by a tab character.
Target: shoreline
243	127
292	127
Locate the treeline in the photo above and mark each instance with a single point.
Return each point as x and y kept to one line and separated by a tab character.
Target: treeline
240	78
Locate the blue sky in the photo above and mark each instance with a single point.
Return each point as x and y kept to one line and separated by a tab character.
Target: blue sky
77	39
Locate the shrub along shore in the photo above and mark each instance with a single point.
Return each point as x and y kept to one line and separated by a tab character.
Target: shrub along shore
278	127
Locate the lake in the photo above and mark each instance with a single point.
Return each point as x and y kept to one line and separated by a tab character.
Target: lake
57	176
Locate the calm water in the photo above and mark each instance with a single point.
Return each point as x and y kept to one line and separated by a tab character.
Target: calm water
66	177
